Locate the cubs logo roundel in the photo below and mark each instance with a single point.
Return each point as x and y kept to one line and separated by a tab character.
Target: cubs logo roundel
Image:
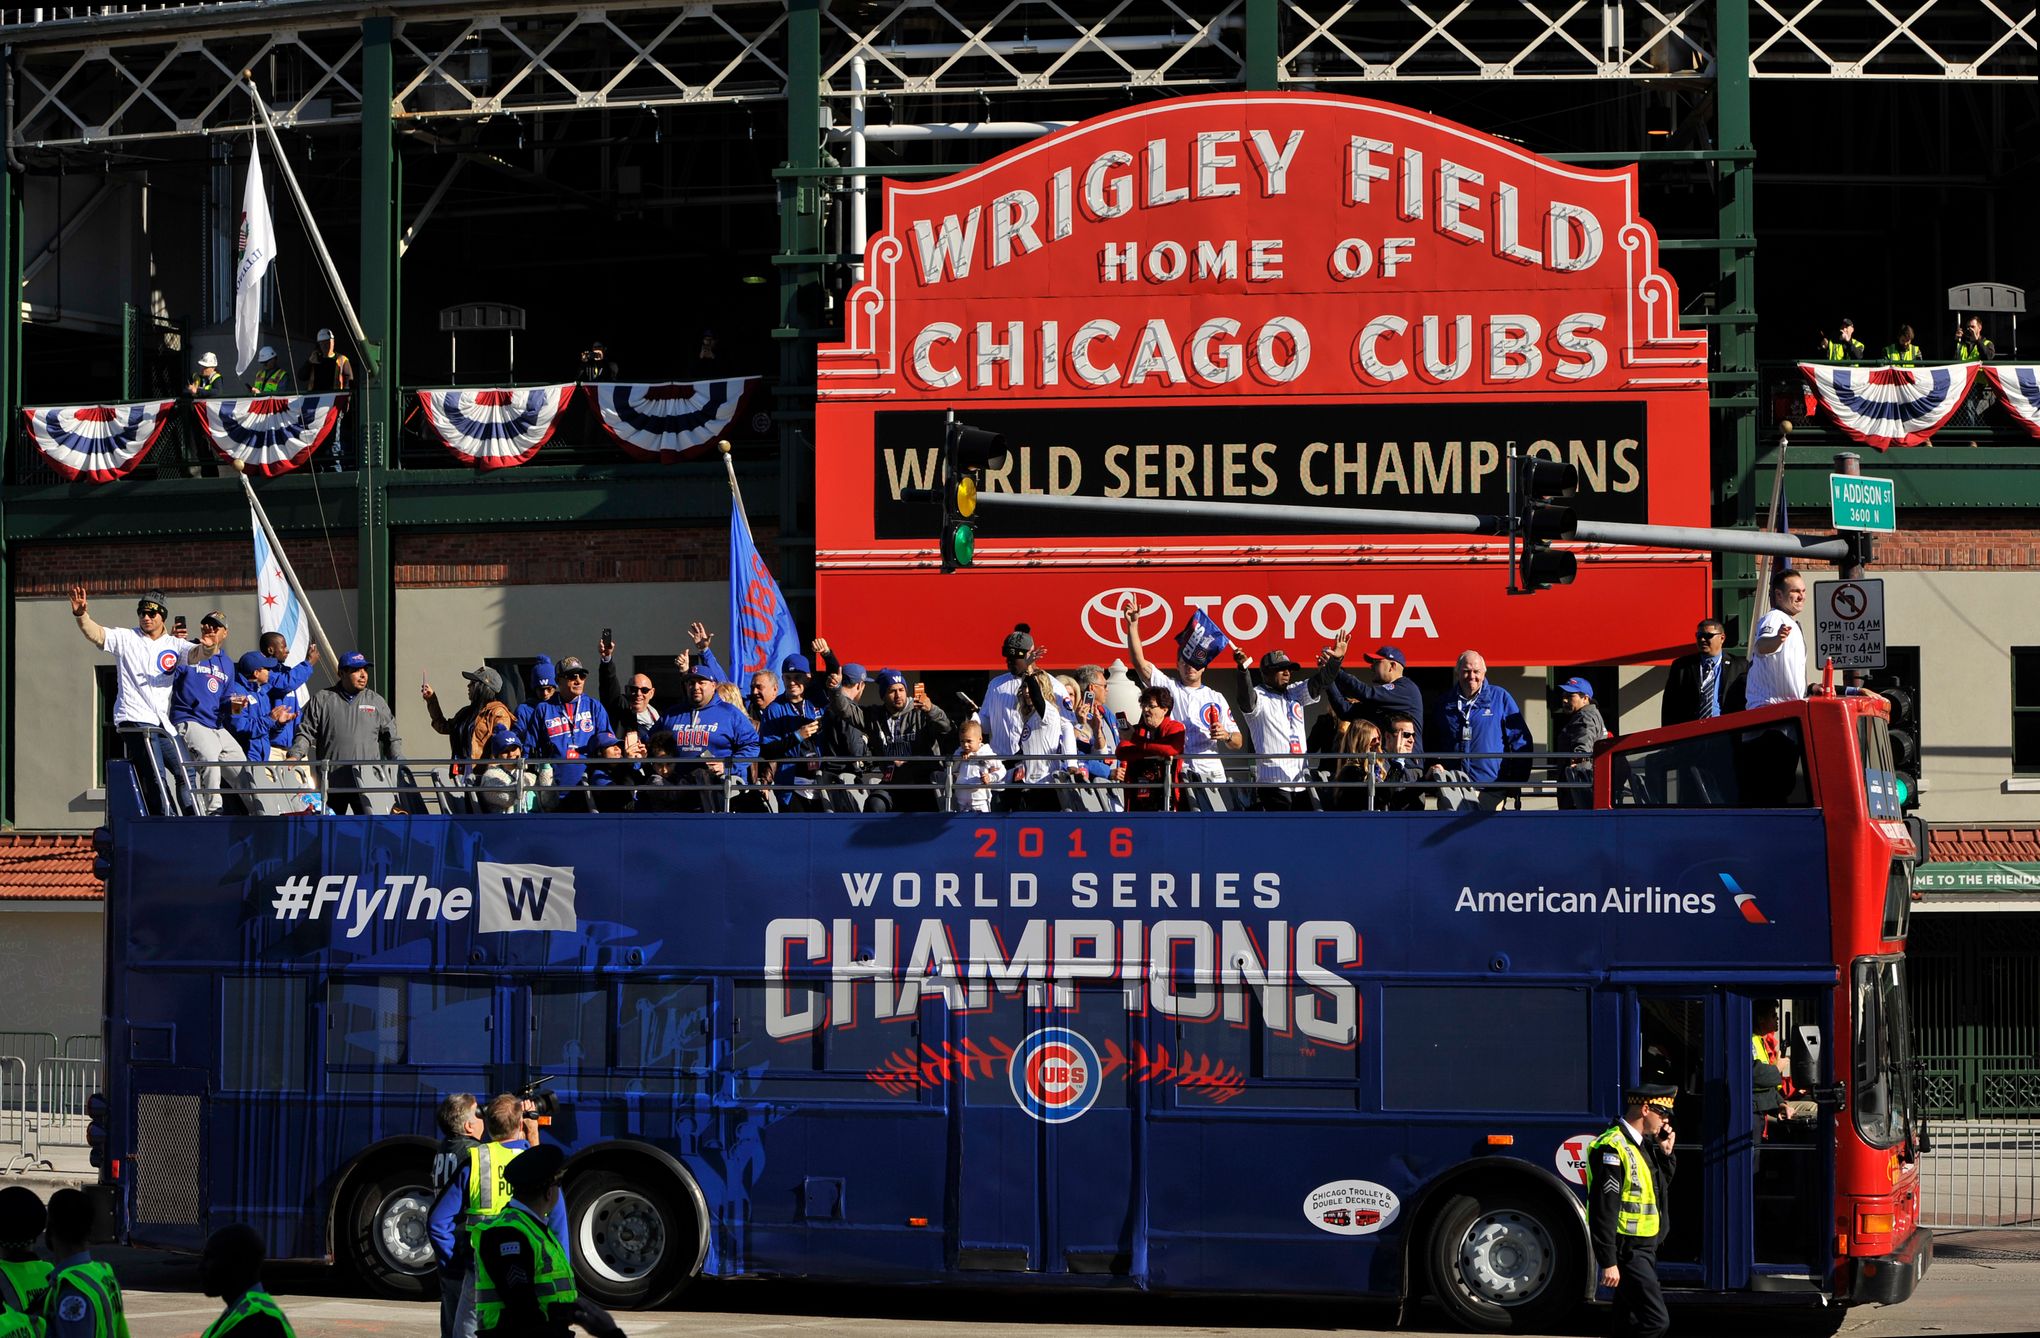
1055	1075
166	661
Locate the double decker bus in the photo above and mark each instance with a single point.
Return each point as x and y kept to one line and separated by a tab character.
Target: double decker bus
1311	1053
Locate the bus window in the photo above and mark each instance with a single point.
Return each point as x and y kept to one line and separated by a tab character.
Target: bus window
836	1060
393	1020
1882	1095
570	1028
1786	1041
1763	766
1880	774
1249	1065
262	1034
664	1024
1898	895
1484	1048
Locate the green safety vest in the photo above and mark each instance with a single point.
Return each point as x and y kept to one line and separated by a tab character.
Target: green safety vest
1904	357
94	1282
15	1324
1637	1214
555	1280
268	382
256	1302
22	1284
488	1193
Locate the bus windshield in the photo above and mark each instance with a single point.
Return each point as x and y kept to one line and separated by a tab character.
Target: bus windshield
1880	775
1883	1096
1763	766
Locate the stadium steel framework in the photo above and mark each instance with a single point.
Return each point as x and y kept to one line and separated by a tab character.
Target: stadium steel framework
923	77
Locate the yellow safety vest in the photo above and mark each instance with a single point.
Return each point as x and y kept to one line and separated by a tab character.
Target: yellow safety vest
487	1191
256	1302
555	1280
94	1282
269	383
1837	351
22	1284
1968	352
1902	356
1637	1214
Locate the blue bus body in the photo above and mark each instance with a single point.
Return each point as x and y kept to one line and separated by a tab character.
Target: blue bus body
1259	1052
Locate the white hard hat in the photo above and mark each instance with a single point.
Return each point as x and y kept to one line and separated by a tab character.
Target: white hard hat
208	360
265	353
322	336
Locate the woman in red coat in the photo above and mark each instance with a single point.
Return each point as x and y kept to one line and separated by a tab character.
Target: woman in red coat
1150	757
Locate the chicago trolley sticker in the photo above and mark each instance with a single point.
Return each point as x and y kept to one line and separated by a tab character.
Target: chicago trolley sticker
1351	1207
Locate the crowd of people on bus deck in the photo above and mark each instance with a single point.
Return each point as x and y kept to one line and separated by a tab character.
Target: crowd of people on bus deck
813	736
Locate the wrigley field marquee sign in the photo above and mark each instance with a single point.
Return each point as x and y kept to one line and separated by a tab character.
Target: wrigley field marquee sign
1301	299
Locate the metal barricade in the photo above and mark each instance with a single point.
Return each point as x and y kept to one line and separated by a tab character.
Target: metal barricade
1982	1173
31	1048
63	1089
83	1046
14	1124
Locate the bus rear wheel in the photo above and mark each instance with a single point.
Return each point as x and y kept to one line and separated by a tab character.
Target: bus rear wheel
1500	1264
633	1247
387	1240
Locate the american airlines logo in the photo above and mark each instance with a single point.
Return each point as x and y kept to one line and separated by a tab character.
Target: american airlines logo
506	899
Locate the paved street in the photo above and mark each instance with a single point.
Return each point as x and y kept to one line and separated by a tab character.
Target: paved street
1984	1283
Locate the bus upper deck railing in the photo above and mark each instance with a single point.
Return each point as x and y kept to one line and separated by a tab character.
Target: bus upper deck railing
1210	782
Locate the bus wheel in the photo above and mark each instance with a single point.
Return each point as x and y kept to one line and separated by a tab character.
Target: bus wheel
631	1246
1499	1265
387	1239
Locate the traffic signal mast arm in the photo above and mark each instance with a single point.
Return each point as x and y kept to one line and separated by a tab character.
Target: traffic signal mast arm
1358	520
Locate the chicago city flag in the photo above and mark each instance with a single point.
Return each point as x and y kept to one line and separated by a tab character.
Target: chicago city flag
279	608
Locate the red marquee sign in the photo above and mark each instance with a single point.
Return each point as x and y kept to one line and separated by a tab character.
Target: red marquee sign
1302	299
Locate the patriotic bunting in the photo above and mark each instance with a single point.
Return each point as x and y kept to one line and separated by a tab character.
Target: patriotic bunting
1890	406
271	434
100	442
492	429
668	422
2018	388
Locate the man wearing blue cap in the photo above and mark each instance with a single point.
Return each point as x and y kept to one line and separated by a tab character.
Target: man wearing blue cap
896	729
1575	728
544	686
350	723
497	785
253	727
790	728
202	704
1202	711
838	741
712	738
1352	698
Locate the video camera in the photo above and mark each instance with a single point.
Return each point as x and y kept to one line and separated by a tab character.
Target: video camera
544	1105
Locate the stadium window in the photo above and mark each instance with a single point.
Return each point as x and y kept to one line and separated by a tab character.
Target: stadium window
108	745
1484	1048
2026	708
262	1034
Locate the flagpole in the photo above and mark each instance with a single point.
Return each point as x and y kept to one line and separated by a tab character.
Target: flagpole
297	195
332	661
731	469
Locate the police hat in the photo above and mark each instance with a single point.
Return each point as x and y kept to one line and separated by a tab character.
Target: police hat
531	1171
1658	1094
22	1215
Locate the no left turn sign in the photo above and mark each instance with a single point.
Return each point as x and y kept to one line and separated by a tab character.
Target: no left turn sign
1848	624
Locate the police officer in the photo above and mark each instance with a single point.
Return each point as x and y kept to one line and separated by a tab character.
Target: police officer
231	1269
23	1277
83	1300
477	1192
1628	1199
460	1127
524	1284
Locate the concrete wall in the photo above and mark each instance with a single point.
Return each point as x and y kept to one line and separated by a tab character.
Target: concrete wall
52	956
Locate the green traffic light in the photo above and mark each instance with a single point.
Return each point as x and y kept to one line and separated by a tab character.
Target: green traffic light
1904	787
962	544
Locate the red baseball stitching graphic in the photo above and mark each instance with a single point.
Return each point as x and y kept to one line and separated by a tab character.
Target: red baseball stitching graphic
905	1070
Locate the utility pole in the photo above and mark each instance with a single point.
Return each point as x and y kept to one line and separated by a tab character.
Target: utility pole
1851	464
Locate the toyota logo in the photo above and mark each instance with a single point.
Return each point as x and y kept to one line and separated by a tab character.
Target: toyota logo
1101	615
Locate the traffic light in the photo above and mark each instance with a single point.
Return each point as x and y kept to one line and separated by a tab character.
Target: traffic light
1905	744
1534	521
966	453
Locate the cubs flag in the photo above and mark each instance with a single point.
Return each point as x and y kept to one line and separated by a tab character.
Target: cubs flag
258	252
271	435
1200	641
99	442
762	633
277	608
494	429
673	421
2018	387
1890	406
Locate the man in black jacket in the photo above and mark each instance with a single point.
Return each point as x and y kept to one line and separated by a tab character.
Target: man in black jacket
1707	683
1629	1196
898	727
1352	698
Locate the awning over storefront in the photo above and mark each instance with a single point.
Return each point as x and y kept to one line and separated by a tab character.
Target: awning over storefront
1980	869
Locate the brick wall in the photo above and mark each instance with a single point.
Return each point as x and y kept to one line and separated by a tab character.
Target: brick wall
1966	541
423	559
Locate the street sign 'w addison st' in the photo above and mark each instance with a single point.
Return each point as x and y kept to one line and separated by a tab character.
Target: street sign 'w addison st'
1296	298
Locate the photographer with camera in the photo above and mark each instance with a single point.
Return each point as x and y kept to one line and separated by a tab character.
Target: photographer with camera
596	366
1629	1197
479	1191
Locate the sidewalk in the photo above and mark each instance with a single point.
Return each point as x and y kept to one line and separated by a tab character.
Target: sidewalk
54	1168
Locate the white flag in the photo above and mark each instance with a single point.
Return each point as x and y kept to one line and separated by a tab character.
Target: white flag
258	252
279	610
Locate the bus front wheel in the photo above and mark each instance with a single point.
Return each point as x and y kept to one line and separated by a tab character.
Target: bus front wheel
1501	1263
632	1247
387	1241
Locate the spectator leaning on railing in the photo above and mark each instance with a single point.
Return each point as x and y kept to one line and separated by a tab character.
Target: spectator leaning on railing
1151	755
145	666
1575	731
1478	717
906	733
350	723
1273	710
1351	698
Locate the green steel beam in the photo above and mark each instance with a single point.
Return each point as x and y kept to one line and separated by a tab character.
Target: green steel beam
802	204
13	220
1264	45
1736	343
2006	478
375	581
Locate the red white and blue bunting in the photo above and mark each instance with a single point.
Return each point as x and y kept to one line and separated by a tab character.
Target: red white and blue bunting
493	429
99	442
271	434
2018	388
670	421
1890	406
